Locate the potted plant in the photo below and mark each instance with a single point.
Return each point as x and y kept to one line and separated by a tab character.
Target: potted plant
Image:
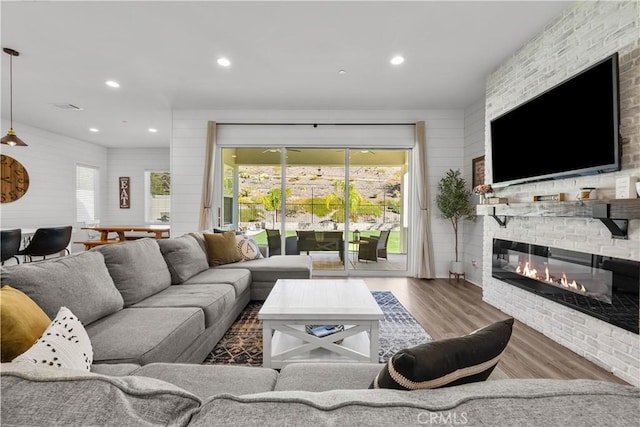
454	204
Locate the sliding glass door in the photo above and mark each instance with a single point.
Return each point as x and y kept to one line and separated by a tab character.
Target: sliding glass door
346	208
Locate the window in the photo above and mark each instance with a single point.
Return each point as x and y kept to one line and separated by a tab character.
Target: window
86	193
158	196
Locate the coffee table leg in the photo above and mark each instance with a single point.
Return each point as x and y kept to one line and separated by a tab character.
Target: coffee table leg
374	342
267	338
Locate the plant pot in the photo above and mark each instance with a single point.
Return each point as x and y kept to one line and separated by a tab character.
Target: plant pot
456	267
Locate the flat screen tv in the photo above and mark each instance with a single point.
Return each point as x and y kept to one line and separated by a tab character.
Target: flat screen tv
570	130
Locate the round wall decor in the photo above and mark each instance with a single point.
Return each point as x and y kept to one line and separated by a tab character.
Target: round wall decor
15	179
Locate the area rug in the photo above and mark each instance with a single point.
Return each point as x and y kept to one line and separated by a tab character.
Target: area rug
242	344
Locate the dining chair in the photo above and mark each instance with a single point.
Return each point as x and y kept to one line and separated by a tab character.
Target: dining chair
47	241
10	241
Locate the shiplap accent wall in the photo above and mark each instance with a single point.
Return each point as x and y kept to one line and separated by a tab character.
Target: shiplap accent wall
585	33
131	162
445	142
472	231
50	160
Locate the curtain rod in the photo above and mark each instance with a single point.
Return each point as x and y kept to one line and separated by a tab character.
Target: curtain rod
315	124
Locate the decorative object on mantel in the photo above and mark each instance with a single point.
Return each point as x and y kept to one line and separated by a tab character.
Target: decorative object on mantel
11	138
124	192
496	200
558	197
454	204
625	186
586	193
15	179
483	191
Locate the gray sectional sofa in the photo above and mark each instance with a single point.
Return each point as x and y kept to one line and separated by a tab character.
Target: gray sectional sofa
149	306
149	300
306	394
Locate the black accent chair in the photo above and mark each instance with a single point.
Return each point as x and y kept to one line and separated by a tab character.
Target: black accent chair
376	248
47	241
275	244
10	241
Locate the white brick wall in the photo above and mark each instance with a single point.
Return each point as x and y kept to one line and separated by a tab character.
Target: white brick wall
585	33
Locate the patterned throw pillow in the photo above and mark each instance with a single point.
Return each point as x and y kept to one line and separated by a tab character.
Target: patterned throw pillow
64	344
447	362
248	248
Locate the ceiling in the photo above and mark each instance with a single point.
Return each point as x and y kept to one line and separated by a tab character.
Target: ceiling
285	56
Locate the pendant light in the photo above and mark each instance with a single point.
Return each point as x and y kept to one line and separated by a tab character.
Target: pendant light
11	138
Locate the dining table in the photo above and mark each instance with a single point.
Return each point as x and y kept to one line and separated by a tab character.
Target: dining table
123	231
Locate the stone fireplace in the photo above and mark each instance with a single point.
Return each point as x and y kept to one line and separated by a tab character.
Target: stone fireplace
604	287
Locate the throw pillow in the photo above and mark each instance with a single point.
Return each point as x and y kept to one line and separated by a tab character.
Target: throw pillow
447	362
64	344
248	248
184	257
22	322
222	248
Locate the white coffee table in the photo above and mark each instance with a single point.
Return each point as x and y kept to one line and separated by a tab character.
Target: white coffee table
293	303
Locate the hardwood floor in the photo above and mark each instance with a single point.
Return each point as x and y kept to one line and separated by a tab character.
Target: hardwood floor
449	309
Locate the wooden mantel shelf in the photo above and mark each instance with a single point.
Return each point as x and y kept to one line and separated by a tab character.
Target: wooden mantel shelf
614	214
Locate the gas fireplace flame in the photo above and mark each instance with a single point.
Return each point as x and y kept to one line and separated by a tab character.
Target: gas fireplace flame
563	281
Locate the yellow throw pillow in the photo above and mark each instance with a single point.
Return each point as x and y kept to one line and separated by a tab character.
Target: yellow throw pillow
222	248
22	322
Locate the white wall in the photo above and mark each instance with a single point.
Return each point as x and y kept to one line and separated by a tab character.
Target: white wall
445	142
472	231
585	33
131	162
50	160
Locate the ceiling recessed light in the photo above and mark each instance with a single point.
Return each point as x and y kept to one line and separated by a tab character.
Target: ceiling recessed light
94	130
224	62
397	60
153	130
342	72
112	83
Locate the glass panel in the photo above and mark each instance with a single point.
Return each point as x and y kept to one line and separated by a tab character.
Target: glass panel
315	205
377	224
158	197
86	193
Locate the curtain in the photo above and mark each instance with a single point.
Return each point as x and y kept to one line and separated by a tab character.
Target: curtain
423	245
206	220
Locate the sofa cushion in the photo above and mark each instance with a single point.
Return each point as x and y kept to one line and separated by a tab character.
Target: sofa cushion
215	300
80	282
184	257
525	402
22	322
222	248
447	362
137	267
248	248
239	278
326	376
64	344
276	267
115	369
207	380
145	335
45	397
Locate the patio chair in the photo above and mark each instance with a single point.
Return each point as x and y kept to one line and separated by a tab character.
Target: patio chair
375	248
275	244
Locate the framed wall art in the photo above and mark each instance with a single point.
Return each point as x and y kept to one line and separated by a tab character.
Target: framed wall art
124	192
477	171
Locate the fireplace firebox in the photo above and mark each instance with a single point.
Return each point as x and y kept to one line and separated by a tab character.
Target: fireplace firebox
604	287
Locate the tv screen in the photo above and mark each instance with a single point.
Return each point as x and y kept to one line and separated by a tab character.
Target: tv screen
571	129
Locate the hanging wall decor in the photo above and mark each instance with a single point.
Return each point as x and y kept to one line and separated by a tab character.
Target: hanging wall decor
15	179
124	192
